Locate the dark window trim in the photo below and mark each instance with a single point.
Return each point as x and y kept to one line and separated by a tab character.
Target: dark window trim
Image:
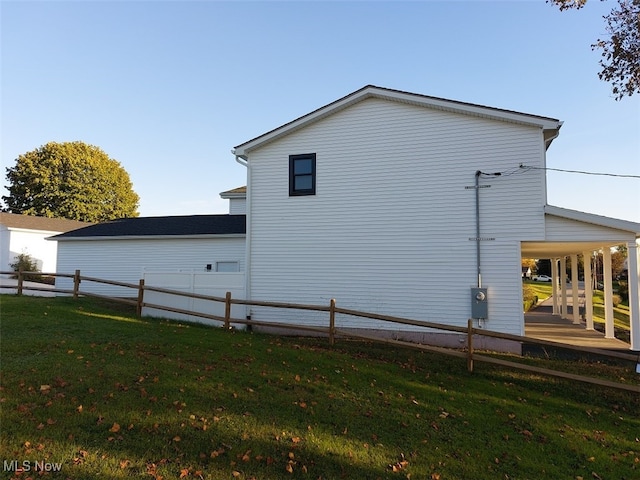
293	192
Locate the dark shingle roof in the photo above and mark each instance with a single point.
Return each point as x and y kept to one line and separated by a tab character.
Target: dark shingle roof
162	226
31	222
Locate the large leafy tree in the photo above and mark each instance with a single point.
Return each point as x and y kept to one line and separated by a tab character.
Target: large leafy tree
620	60
70	180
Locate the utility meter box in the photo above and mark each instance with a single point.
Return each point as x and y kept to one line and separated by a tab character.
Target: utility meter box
479	304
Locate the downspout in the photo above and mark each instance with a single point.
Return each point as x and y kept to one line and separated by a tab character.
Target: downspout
247	241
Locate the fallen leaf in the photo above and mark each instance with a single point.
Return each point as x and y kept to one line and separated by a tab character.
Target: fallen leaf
115	428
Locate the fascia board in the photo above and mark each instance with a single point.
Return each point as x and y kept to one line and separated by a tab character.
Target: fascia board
31	230
370	91
242	149
471	109
594	219
227	196
149	237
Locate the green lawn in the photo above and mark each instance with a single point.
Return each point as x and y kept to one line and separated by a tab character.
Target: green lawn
109	396
620	313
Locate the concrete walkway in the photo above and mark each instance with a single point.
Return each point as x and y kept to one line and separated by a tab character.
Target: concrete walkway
541	323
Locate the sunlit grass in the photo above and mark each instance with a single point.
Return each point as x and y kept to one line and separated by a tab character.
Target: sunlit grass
621	313
111	396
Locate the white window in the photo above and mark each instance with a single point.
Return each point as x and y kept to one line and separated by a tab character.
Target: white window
227	266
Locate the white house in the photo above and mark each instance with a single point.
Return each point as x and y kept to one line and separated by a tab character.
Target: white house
237	200
126	250
410	205
27	234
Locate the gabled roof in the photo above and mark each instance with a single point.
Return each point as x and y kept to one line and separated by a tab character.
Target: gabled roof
574	232
166	227
551	125
44	224
240	192
599	220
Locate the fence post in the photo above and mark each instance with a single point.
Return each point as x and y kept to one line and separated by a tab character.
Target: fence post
20	280
76	284
332	322
140	302
470	344
227	310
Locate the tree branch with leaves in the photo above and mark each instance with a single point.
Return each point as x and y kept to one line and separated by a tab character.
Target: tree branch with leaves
620	60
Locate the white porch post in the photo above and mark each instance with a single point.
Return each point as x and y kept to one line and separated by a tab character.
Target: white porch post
634	293
554	285
574	289
563	286
588	289
609	331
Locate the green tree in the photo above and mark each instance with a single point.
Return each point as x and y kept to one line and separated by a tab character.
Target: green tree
70	180
620	60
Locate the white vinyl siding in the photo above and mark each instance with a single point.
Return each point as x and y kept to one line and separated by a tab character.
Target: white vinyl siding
31	242
124	260
237	206
389	227
563	229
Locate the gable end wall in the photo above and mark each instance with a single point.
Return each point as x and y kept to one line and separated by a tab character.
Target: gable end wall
388	230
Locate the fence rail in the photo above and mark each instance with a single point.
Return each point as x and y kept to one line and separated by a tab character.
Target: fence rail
137	300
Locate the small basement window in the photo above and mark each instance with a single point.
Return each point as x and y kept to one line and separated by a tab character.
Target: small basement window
302	174
227	266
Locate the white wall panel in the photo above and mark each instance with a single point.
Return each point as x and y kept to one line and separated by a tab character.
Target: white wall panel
389	227
125	260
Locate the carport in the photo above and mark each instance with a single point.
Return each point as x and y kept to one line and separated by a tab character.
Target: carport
569	233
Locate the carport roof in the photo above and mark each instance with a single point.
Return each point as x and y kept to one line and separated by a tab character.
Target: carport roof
168	227
580	232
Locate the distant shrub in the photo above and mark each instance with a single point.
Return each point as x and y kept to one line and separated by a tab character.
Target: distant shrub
529	297
26	263
616	300
623	289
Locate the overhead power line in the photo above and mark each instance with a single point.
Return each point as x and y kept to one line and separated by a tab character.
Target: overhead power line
580	171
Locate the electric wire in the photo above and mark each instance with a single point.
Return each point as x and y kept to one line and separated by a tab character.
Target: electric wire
526	167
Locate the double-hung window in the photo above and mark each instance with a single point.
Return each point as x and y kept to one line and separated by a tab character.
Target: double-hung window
302	174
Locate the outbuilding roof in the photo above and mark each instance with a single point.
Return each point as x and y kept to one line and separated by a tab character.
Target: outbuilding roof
240	192
44	224
169	227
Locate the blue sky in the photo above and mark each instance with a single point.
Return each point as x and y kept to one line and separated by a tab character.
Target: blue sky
169	88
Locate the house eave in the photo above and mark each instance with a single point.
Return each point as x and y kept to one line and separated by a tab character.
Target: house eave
31	230
149	237
594	219
370	91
